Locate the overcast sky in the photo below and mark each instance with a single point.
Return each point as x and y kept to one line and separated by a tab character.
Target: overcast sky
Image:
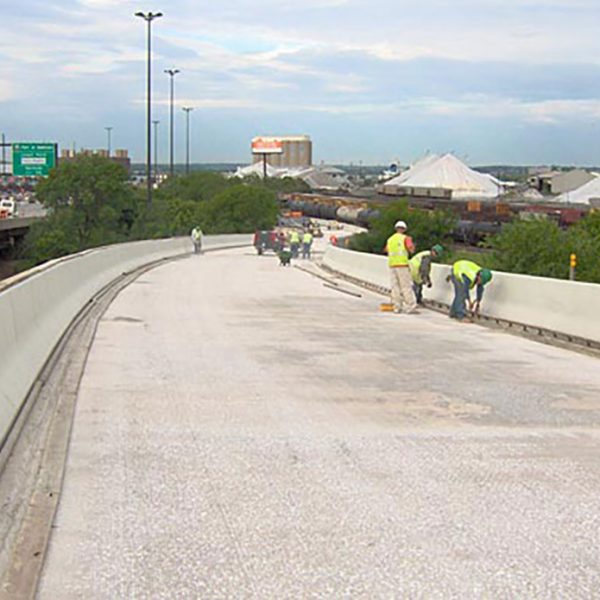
495	81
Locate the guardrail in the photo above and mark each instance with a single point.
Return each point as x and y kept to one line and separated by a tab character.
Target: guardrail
569	308
37	306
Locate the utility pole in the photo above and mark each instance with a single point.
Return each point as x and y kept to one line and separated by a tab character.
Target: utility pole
171	73
187	110
155	123
4	145
149	17
108	131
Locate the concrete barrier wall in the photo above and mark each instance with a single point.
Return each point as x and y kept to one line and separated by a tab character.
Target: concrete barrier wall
37	306
568	307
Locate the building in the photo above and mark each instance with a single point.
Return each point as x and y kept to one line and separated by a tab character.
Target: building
291	151
120	156
560	182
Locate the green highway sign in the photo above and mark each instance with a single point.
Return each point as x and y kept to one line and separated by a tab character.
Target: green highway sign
33	160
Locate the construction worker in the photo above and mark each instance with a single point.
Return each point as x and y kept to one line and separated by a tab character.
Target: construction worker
399	247
307	240
420	269
465	276
294	243
196	236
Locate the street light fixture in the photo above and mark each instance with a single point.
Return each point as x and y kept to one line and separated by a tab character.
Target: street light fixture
187	110
108	130
149	17
171	73
155	123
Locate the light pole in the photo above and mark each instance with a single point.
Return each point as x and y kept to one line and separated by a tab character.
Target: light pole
187	110
108	131
171	73
149	17
155	123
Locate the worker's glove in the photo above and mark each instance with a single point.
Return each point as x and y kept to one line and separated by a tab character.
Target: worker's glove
448	277
429	284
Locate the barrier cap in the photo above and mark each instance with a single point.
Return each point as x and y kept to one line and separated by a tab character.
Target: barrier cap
400	224
486	276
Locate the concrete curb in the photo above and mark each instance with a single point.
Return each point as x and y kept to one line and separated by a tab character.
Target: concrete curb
554	309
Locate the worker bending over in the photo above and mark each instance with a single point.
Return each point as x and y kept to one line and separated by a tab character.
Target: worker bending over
399	247
465	276
420	269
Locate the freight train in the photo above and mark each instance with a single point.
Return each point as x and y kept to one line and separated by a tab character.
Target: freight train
476	219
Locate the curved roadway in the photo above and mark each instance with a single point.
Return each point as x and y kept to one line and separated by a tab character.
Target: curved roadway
243	431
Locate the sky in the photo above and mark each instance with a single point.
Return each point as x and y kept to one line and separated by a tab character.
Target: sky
494	81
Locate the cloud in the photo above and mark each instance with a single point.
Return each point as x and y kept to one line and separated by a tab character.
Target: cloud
532	62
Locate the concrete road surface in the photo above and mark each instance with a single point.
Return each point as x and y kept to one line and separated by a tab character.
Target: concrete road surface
242	431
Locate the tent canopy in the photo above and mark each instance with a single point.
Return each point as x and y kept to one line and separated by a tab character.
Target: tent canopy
448	172
583	194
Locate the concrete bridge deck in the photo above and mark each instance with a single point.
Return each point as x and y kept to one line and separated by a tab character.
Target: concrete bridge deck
243	431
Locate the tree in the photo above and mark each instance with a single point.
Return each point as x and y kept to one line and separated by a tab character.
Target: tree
240	209
542	248
195	186
90	203
427	228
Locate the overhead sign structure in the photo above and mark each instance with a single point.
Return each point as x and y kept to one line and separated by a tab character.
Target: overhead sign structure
267	146
33	159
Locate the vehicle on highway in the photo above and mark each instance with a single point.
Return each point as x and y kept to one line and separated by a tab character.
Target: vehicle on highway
266	240
8	208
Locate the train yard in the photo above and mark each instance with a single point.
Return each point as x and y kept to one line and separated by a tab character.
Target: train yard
475	219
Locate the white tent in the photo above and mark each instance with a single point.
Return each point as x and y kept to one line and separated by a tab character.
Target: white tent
256	168
415	168
448	172
583	194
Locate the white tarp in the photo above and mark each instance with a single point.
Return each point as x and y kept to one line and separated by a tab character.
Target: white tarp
318	178
256	168
581	195
448	172
415	168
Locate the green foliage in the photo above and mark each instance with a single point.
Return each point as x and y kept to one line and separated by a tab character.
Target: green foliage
483	259
240	209
285	185
531	247
90	204
425	227
542	248
196	186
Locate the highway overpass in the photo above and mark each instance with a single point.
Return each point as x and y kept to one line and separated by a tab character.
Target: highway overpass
240	429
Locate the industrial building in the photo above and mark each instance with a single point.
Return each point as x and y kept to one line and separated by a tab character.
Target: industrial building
292	151
560	182
121	157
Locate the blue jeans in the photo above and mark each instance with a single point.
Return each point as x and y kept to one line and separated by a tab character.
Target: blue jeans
418	289
458	310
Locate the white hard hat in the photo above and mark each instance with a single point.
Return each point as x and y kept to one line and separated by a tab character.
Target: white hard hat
400	224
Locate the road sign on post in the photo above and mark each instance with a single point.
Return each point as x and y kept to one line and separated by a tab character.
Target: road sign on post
33	159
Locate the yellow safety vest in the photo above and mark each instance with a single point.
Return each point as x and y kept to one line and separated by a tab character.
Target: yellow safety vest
397	252
415	265
294	238
468	268
307	238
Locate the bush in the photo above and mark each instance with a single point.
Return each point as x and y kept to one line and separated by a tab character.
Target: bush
541	248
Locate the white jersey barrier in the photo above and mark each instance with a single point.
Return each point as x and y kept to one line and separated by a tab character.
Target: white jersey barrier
37	306
567	307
